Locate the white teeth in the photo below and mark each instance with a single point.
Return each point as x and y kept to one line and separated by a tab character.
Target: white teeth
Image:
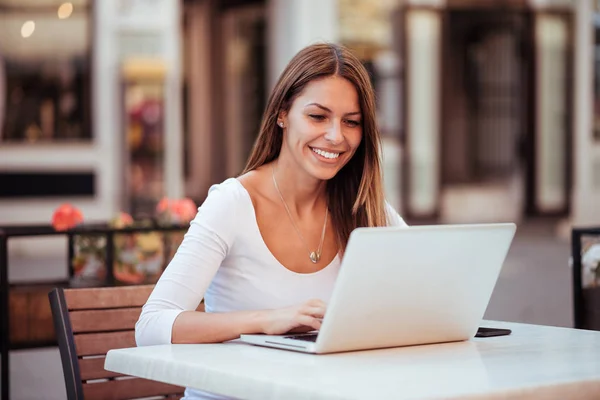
326	154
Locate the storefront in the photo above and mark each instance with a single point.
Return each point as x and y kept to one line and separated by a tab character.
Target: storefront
489	110
71	103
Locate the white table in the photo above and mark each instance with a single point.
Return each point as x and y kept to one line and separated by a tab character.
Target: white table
533	362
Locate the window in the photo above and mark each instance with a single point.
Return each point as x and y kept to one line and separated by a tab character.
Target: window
45	71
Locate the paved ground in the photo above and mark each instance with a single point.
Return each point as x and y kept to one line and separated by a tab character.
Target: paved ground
535	283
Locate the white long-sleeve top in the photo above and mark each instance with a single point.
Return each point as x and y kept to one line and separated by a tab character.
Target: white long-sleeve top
224	260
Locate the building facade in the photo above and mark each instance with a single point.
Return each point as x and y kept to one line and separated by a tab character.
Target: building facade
499	110
483	104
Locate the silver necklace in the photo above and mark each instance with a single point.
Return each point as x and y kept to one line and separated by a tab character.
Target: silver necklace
314	256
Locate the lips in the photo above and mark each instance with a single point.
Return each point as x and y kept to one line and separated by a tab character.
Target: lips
328	154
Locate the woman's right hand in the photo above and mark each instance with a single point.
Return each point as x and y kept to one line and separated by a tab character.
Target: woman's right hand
303	318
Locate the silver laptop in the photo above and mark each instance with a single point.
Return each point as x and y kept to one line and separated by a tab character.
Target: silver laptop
400	287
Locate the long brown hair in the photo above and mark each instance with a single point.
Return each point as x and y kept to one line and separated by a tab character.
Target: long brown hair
355	195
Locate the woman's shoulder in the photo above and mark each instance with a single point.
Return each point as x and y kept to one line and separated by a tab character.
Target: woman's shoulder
255	183
230	187
254	180
225	210
225	197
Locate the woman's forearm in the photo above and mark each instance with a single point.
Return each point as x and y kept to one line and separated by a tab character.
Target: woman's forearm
202	327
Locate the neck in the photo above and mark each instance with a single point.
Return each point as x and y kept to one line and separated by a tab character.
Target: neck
302	193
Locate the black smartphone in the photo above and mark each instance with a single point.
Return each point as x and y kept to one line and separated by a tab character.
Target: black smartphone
490	332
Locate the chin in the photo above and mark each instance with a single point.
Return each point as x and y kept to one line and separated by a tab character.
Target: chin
324	173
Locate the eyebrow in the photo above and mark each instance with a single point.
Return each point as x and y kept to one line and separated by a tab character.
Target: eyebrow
322	107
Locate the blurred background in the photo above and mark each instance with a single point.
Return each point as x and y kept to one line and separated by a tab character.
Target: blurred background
489	111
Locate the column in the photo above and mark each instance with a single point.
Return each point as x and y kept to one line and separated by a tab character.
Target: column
201	112
174	182
423	92
105	109
294	24
552	123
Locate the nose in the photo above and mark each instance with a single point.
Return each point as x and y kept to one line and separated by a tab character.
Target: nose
334	134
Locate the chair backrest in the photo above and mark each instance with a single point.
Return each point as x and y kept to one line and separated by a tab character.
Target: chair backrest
89	322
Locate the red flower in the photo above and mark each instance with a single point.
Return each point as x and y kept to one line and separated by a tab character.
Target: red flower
163	205
126	218
177	211
66	217
184	209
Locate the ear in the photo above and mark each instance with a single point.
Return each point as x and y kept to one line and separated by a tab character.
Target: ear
282	119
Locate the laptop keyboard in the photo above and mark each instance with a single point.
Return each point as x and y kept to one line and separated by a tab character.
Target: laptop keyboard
311	337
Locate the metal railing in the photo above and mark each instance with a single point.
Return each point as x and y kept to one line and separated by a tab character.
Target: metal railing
8	232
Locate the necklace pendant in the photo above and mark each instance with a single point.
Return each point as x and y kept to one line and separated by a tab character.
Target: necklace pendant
315	257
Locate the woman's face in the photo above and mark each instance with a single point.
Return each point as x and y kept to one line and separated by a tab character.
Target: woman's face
323	127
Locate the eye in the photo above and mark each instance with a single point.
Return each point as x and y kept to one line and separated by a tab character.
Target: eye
317	117
352	123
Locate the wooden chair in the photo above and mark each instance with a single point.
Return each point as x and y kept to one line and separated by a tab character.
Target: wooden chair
89	322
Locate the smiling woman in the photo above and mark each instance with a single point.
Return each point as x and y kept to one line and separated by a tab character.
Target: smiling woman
265	248
325	98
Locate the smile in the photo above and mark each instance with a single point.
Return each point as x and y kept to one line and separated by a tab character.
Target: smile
326	154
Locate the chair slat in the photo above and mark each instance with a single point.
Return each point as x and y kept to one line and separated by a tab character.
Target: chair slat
104	320
108	297
128	389
92	344
93	368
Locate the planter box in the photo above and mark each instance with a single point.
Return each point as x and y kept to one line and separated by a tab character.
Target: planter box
30	316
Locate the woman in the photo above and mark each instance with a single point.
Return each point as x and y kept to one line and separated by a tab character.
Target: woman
265	248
